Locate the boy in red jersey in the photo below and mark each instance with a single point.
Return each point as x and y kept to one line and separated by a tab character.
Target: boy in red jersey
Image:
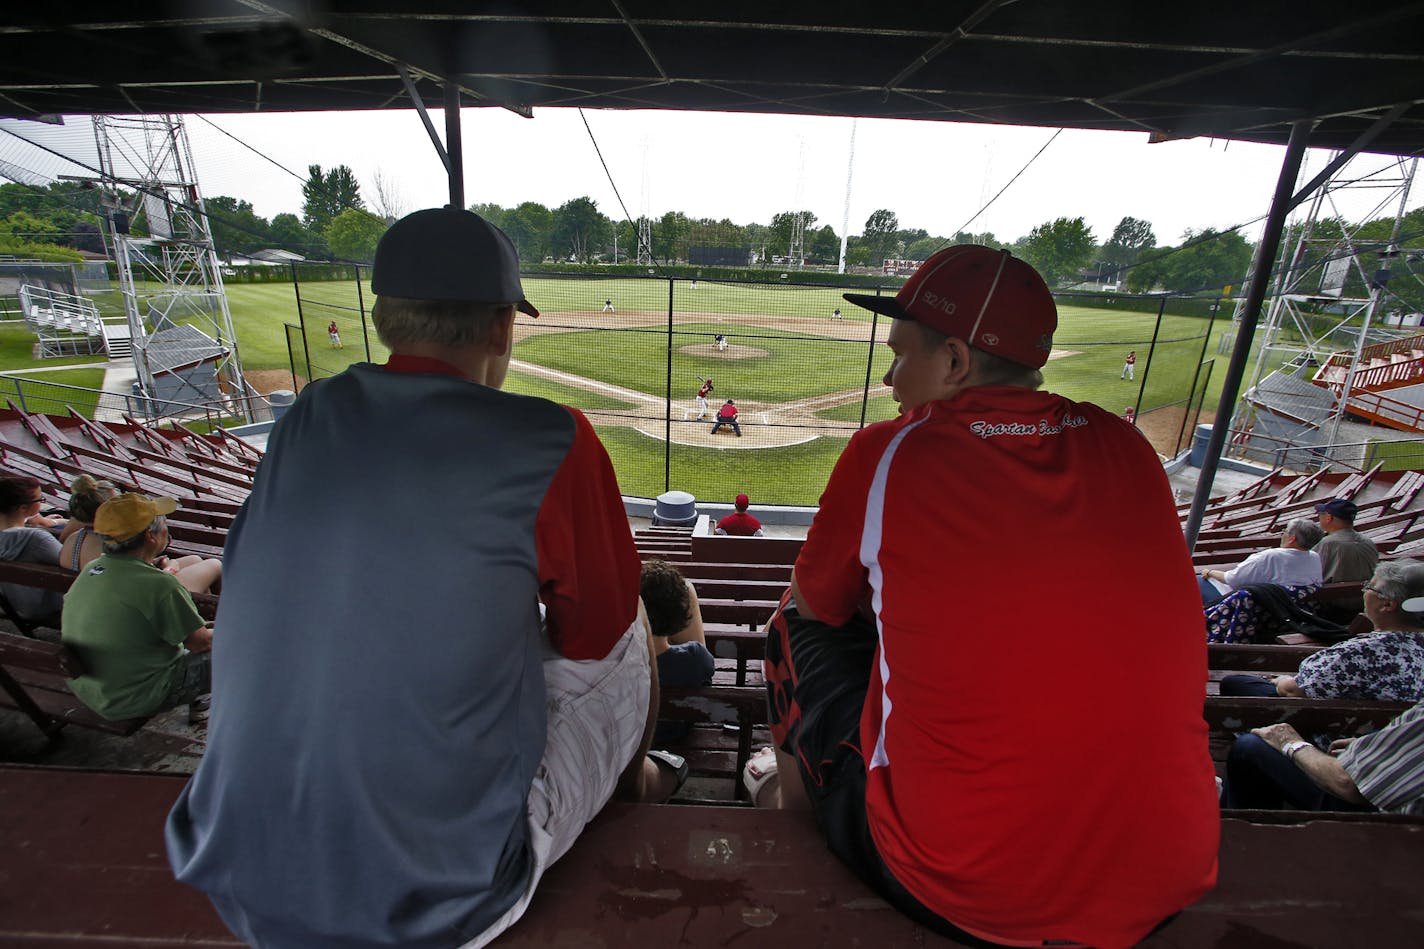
944	560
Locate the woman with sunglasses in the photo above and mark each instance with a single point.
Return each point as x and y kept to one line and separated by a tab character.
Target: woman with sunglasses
21	499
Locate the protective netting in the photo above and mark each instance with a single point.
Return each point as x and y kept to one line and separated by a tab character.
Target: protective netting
800	366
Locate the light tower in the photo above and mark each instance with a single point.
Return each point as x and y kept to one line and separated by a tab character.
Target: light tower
645	226
1322	320
796	253
184	347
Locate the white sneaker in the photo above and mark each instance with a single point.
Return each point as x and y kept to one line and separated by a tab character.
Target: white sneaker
760	769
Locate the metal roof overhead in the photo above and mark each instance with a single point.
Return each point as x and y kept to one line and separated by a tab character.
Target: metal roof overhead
1232	70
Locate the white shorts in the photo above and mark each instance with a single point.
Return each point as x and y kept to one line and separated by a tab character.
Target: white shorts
597	711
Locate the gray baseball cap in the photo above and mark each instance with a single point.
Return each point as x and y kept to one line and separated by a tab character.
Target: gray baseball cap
448	254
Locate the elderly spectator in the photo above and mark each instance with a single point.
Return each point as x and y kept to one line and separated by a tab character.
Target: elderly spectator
20	500
415	717
1293	564
1384	665
1345	553
885	663
739	523
143	643
1273	768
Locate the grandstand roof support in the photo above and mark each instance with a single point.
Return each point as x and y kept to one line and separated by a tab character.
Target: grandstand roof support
454	145
1281	205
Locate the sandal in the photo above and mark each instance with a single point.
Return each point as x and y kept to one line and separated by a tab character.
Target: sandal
677	764
760	769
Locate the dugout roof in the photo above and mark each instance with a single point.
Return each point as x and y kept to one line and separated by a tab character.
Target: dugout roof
1233	70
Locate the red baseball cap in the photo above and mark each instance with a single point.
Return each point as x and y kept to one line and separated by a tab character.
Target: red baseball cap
743	500
986	297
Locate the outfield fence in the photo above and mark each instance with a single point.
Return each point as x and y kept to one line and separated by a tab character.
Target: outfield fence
801	366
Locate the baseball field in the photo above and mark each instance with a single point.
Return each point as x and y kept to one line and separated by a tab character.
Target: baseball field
798	375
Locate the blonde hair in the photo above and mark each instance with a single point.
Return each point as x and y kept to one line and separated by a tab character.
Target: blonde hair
85	496
452	323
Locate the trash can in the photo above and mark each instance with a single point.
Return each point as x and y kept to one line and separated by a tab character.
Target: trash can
675	509
1199	440
280	400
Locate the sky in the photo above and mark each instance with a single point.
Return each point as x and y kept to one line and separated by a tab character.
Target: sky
933	175
936	176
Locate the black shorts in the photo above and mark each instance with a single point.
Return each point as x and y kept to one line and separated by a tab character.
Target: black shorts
817	677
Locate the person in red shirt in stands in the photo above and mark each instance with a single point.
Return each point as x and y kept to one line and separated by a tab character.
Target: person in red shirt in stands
739	523
943	567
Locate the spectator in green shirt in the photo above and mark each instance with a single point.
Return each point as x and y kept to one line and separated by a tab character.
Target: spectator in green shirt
144	646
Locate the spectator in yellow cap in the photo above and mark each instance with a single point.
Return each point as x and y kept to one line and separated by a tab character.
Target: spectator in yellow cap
143	643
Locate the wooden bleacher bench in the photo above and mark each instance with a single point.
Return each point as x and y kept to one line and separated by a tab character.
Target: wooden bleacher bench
716	548
32	680
58	579
33	672
95	873
695	570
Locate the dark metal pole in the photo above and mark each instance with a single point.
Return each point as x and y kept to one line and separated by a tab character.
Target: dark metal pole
1151	348
361	303
869	368
301	319
1201	361
291	356
667	413
453	146
1250	315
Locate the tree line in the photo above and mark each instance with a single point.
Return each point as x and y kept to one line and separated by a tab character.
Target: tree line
336	223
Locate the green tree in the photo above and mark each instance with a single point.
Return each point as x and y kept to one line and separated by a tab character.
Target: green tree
579	228
25	226
235	227
352	234
1130	239
782	226
923	247
984	238
491	212
670	236
824	246
326	195
289	233
880	239
530	226
1058	248
32	250
1208	260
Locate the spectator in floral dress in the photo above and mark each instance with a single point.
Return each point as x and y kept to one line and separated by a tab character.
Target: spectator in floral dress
1384	665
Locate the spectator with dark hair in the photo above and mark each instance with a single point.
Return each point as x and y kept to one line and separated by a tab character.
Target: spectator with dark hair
1274	767
20	500
1345	553
739	523
452	699
143	643
1384	665
679	642
955	798
1293	564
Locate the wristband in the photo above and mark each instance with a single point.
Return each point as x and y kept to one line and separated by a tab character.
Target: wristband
1292	748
